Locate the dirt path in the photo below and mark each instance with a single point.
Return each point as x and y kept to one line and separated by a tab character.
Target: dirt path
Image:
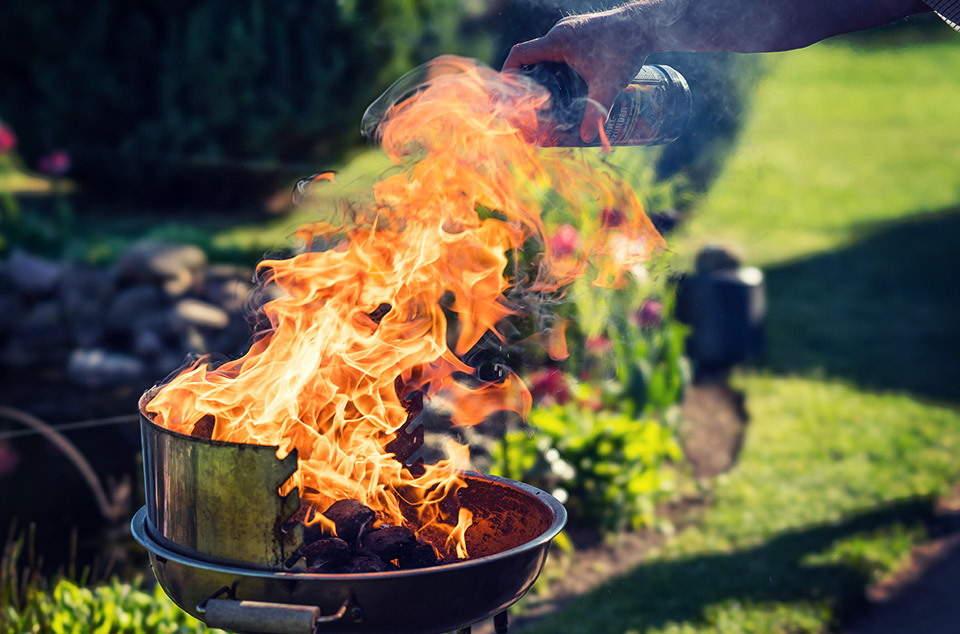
924	598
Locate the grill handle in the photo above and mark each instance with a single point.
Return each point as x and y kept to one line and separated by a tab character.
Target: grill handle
268	618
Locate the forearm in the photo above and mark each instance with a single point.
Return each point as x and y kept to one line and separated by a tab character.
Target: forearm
749	26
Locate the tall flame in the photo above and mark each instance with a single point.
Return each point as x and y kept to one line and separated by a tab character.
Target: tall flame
362	326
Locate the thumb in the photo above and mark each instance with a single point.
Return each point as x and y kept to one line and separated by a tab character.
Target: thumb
599	102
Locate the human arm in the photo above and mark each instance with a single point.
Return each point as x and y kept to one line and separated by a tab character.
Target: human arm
608	48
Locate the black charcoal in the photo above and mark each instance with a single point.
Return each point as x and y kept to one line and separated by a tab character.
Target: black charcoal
350	518
422	556
390	542
332	549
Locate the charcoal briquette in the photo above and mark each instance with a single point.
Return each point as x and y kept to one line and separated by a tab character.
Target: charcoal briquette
331	549
326	567
421	556
390	542
364	563
203	428
350	517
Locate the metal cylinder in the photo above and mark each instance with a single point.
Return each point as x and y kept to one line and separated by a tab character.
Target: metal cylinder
216	500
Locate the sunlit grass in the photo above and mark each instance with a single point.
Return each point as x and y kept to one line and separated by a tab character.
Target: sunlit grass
839	136
828	496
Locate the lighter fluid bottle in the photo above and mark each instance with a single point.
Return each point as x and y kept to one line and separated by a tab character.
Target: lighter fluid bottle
652	110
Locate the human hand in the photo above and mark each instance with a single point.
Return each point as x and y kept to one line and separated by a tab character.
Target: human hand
606	49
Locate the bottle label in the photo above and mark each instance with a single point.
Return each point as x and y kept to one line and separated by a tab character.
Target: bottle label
628	122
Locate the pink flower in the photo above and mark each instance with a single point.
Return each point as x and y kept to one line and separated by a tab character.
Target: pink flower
549	386
56	163
565	241
650	314
8	140
9	459
598	344
612	218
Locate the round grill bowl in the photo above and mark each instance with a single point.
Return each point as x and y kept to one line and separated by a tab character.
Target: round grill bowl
212	524
437	599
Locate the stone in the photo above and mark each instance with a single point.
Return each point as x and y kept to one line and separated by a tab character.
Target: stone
193	341
230	294
40	337
222	272
33	275
168	363
85	294
194	313
136	307
179	284
12	309
234	340
147	343
96	367
157	261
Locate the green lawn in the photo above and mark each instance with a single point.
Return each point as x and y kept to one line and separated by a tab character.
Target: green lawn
845	188
839	139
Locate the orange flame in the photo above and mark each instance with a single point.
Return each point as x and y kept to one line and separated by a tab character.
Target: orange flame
437	241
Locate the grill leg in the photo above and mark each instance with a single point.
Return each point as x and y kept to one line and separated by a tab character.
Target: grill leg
500	624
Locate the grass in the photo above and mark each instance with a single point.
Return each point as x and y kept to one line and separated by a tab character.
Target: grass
841	137
846	190
831	490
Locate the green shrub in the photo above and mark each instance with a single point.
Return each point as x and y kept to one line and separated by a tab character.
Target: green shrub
609	468
114	608
139	92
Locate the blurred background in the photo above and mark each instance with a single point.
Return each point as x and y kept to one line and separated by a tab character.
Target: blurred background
759	432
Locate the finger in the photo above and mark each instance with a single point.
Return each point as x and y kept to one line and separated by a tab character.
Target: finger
527	53
595	114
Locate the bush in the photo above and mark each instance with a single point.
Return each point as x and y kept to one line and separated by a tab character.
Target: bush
605	444
609	468
115	607
138	91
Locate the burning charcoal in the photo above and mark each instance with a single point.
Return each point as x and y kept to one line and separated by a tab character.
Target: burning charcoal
204	427
364	563
300	516
329	549
450	559
390	542
381	312
313	532
350	518
421	556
